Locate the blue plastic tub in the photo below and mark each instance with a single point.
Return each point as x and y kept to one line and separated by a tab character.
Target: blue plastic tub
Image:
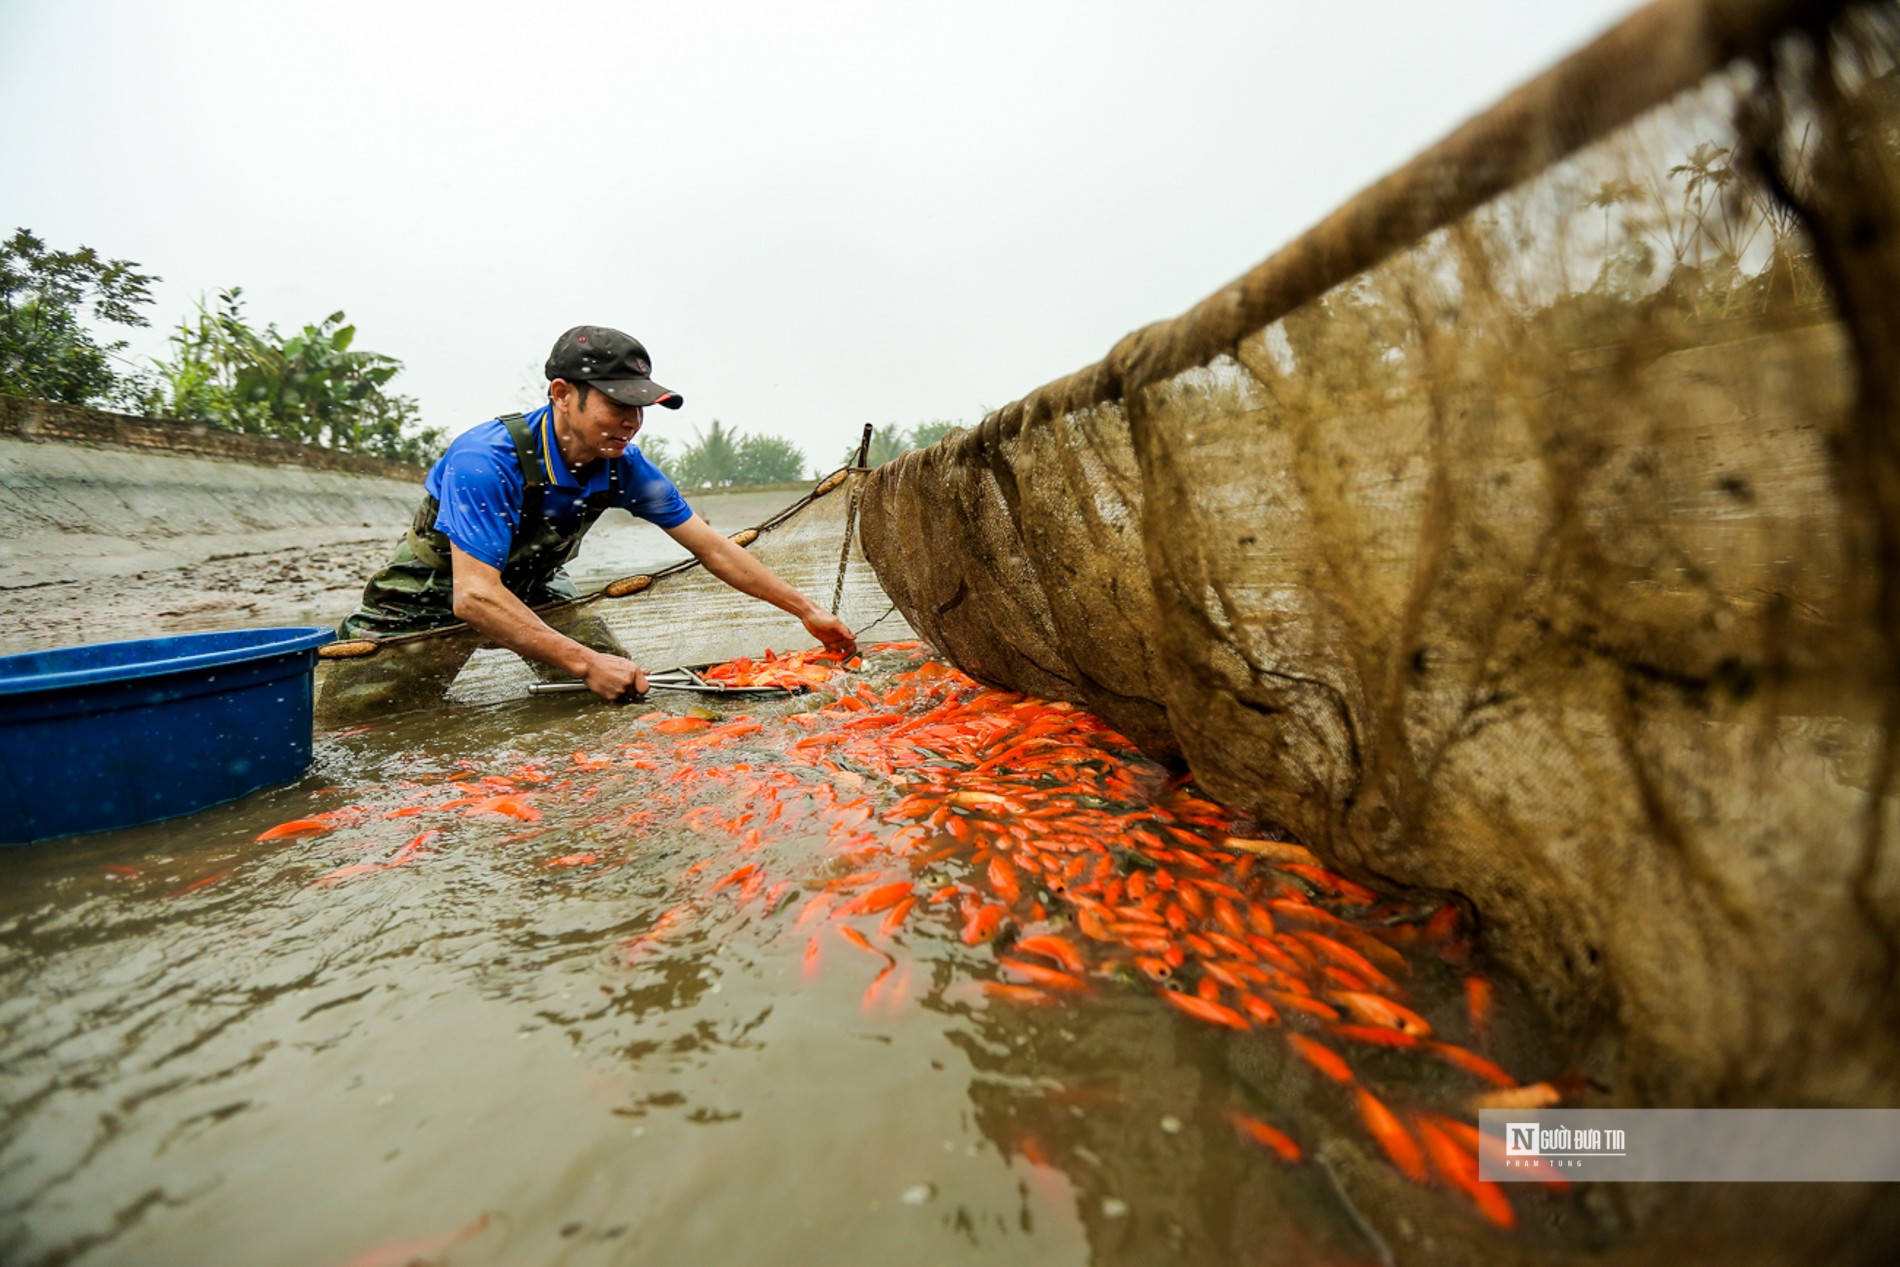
122	733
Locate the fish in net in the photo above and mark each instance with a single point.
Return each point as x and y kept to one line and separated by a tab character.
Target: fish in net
1529	530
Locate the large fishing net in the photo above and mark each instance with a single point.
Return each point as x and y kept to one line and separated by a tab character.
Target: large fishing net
1528	530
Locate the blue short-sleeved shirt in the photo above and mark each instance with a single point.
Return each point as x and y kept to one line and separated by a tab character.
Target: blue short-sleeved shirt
479	485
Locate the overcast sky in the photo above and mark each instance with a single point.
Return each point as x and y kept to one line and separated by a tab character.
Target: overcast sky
815	215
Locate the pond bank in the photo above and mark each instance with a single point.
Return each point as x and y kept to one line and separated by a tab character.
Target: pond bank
105	539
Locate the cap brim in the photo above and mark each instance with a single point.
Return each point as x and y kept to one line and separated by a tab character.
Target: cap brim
637	391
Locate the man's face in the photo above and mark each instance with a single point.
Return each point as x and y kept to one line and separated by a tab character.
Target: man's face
603	427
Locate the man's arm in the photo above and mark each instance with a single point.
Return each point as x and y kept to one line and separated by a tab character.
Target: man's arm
490	607
749	576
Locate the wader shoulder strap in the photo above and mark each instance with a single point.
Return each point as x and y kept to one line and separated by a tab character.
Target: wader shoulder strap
432	546
523	437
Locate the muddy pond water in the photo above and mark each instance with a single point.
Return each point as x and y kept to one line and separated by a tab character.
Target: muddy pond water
898	970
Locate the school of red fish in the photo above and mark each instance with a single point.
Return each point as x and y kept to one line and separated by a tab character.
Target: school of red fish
950	809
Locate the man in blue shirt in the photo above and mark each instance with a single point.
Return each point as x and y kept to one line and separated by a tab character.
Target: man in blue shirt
508	504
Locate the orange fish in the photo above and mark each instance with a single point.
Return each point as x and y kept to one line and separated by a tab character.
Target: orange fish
1259	919
1158	969
410	851
1375	1009
1443	925
1459	1169
1258	1009
881	898
1338	885
1234	946
984	923
1049	978
1271	850
1490	1145
421	1248
1003	880
207	882
1539	1095
639	943
1321	1057
1229	916
1293	1002
1052	947
1263	1133
511	806
1392	1136
342	875
869	1001
294	828
737	876
858	939
1478	996
895	918
1471	1062
1375	1036
680	726
1191	897
1205	1010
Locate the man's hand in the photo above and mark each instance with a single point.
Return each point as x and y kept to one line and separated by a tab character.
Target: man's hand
834	633
485	603
749	576
615	679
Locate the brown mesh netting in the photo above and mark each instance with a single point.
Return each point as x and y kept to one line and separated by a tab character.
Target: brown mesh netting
1530	529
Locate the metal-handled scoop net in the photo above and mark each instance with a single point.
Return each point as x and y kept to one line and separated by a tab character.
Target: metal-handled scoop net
681	679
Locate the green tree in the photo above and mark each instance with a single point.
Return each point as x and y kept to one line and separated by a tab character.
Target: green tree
392	429
890	442
314	386
769	460
925	434
658	450
723	458
711	461
44	349
886	443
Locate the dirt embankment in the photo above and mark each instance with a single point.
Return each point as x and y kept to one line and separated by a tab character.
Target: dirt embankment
104	541
114	527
